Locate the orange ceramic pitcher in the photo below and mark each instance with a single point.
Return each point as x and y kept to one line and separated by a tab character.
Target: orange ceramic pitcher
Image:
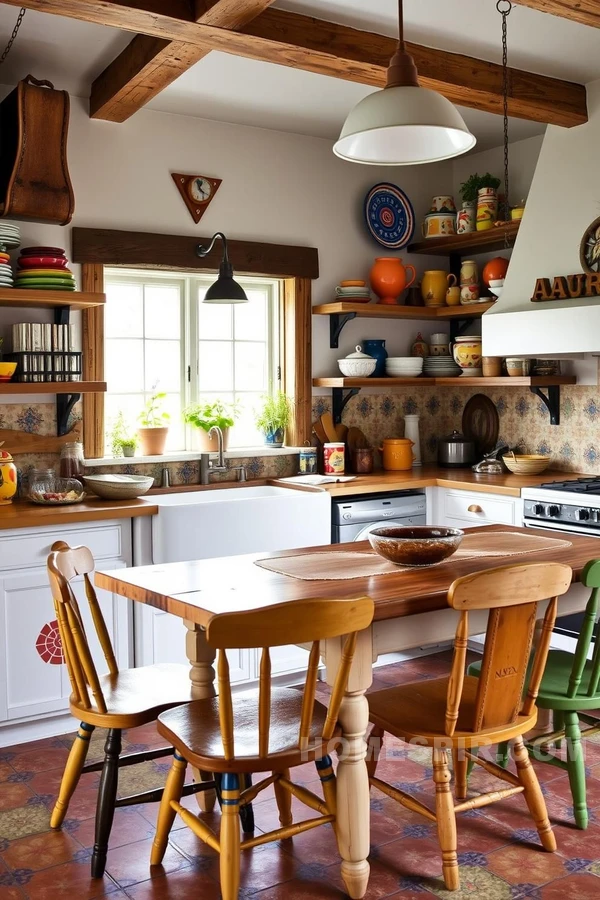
388	278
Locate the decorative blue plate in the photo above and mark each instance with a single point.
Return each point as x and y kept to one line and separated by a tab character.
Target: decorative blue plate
390	216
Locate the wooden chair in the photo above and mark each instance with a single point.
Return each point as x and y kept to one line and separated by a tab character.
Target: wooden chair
462	713
117	700
270	730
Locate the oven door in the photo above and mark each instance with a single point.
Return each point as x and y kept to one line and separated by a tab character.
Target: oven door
562	528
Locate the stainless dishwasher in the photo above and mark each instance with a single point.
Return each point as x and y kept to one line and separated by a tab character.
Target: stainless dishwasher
353	517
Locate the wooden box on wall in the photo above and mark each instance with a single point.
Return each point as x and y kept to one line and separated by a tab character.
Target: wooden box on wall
34	177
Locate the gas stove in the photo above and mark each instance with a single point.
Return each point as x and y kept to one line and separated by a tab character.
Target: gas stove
570	505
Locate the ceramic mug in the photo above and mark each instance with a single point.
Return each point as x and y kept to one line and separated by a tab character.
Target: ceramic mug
453	296
491	366
443	203
469	293
487	208
439	225
465	220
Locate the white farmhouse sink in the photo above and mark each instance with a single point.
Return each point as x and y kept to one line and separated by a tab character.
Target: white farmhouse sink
206	524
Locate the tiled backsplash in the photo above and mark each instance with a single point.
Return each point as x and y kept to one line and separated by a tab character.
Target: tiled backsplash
524	423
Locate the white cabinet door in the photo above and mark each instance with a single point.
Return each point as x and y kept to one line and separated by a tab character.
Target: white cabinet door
470	508
33	679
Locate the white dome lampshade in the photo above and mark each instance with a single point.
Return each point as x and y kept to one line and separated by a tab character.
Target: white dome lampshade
403	124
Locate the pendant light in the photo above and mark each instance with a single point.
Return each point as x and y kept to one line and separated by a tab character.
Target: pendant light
403	124
225	289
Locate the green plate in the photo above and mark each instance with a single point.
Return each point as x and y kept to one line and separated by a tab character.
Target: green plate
45	287
47	282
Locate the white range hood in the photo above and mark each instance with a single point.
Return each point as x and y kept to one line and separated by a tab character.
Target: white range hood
563	201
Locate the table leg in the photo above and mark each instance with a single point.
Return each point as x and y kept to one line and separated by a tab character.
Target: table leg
353	825
202	676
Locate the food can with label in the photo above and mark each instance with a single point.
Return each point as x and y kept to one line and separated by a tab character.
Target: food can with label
333	458
308	461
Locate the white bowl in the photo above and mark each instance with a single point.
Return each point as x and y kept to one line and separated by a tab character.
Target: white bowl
119	487
496	291
357	368
496	282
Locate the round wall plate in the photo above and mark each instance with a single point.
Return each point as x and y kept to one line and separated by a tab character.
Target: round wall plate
389	215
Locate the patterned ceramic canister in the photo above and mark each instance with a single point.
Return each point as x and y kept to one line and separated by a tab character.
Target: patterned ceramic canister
443	203
468	272
439	225
487	208
465	221
469	293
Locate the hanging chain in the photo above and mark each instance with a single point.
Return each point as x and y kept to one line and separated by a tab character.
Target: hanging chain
15	32
504	7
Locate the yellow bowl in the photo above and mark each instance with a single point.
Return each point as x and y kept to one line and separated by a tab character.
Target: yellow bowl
7	370
527	463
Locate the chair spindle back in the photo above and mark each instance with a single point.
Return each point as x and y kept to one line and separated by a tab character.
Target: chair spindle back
512	594
64	564
302	621
590	578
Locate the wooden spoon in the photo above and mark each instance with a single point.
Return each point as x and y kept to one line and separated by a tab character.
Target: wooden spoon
341	430
320	431
329	427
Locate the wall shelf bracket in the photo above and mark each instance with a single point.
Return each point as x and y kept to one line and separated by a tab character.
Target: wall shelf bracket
339	400
64	405
336	324
551	401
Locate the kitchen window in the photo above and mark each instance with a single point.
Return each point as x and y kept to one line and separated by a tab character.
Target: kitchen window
159	336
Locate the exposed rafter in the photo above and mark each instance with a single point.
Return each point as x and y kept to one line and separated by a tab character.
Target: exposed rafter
306	43
585	12
148	64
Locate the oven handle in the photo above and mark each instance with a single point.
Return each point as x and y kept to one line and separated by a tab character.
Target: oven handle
563	529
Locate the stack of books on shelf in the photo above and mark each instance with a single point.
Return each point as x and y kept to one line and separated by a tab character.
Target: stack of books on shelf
45	352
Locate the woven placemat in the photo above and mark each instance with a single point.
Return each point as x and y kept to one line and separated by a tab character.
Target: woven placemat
346	564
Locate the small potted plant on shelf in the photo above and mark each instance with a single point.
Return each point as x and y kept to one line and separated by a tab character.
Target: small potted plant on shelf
205	416
478	191
154	427
123	441
273	418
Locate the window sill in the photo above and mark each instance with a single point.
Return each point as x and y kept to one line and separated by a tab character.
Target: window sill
183	455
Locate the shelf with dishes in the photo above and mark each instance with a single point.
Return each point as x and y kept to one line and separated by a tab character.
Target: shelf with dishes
474	242
341	312
52	387
49	299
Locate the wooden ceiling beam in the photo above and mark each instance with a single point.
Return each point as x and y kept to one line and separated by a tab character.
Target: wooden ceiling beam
149	64
584	12
303	42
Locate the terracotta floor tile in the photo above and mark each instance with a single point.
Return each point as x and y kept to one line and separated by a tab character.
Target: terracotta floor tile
128	827
577	887
185	885
131	864
515	863
69	880
13	795
40	760
11	892
411	857
39	851
561	788
303	890
573	842
5	770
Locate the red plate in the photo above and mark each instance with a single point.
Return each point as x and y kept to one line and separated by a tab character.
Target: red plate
42	262
42	251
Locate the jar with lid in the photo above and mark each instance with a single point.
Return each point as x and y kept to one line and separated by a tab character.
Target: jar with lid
71	460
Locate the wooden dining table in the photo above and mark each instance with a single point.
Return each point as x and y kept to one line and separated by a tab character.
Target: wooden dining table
410	612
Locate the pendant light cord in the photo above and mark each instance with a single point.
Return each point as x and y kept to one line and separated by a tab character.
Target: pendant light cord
504	7
400	25
15	32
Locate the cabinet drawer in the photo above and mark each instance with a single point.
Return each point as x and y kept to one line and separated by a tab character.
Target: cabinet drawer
479	508
23	548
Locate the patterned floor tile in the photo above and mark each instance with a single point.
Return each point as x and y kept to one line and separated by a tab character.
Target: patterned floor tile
40	851
69	880
475	882
186	885
578	887
130	864
515	863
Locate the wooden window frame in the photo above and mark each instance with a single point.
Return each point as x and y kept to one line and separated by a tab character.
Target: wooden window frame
296	266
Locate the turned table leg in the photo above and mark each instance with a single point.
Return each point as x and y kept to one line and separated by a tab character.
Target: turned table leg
353	825
202	676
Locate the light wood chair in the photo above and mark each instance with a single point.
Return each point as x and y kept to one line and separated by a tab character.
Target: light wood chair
117	700
461	713
270	730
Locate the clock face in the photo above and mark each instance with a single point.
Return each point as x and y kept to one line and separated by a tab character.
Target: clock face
200	190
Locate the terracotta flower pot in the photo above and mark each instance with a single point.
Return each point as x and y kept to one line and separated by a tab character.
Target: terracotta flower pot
211	445
388	278
153	440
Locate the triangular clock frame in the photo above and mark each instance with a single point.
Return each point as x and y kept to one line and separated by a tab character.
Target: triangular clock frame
189	186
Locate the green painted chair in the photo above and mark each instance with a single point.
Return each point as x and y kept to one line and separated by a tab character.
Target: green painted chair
570	687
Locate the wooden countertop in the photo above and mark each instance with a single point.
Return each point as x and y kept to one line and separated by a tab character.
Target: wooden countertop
23	514
433	476
200	589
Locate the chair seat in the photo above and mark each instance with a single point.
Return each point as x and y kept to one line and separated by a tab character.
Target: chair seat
555	681
136	696
418	710
194	730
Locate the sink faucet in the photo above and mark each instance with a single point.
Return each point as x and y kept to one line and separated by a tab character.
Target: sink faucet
207	468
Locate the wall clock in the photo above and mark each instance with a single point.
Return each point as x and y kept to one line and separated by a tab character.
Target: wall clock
197	191
589	251
389	215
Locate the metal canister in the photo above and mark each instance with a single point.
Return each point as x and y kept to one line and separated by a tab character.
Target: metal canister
308	461
333	458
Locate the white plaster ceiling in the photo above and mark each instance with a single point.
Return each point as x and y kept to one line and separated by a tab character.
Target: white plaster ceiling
232	89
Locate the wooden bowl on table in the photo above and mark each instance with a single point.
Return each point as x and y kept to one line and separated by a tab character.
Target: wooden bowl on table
420	545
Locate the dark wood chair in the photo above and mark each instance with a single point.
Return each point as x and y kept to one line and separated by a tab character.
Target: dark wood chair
462	714
120	699
271	730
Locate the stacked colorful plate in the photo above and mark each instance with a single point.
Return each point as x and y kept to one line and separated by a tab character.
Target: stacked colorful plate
10	236
6	273
353	291
441	367
44	269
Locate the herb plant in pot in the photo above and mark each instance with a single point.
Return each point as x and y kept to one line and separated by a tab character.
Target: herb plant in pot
273	418
123	441
154	426
205	416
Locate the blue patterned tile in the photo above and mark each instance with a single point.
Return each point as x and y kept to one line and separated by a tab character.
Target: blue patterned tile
187	472
526	835
16	876
30	420
410	407
567	407
566	452
433	406
520	891
576	864
592	410
544	449
590	454
522	406
472	858
387	407
456	404
416	830
18	777
320	406
501	406
364	407
255	466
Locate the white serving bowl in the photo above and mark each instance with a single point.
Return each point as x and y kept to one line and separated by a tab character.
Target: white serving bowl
119	487
357	368
496	291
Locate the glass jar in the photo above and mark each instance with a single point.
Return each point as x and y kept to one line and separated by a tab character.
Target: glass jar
71	460
38	477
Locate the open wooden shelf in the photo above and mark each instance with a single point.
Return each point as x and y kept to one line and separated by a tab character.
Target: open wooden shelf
53	387
460	381
385	311
50	299
475	242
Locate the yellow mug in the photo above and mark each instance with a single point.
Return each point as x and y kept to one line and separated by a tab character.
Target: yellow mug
453	296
